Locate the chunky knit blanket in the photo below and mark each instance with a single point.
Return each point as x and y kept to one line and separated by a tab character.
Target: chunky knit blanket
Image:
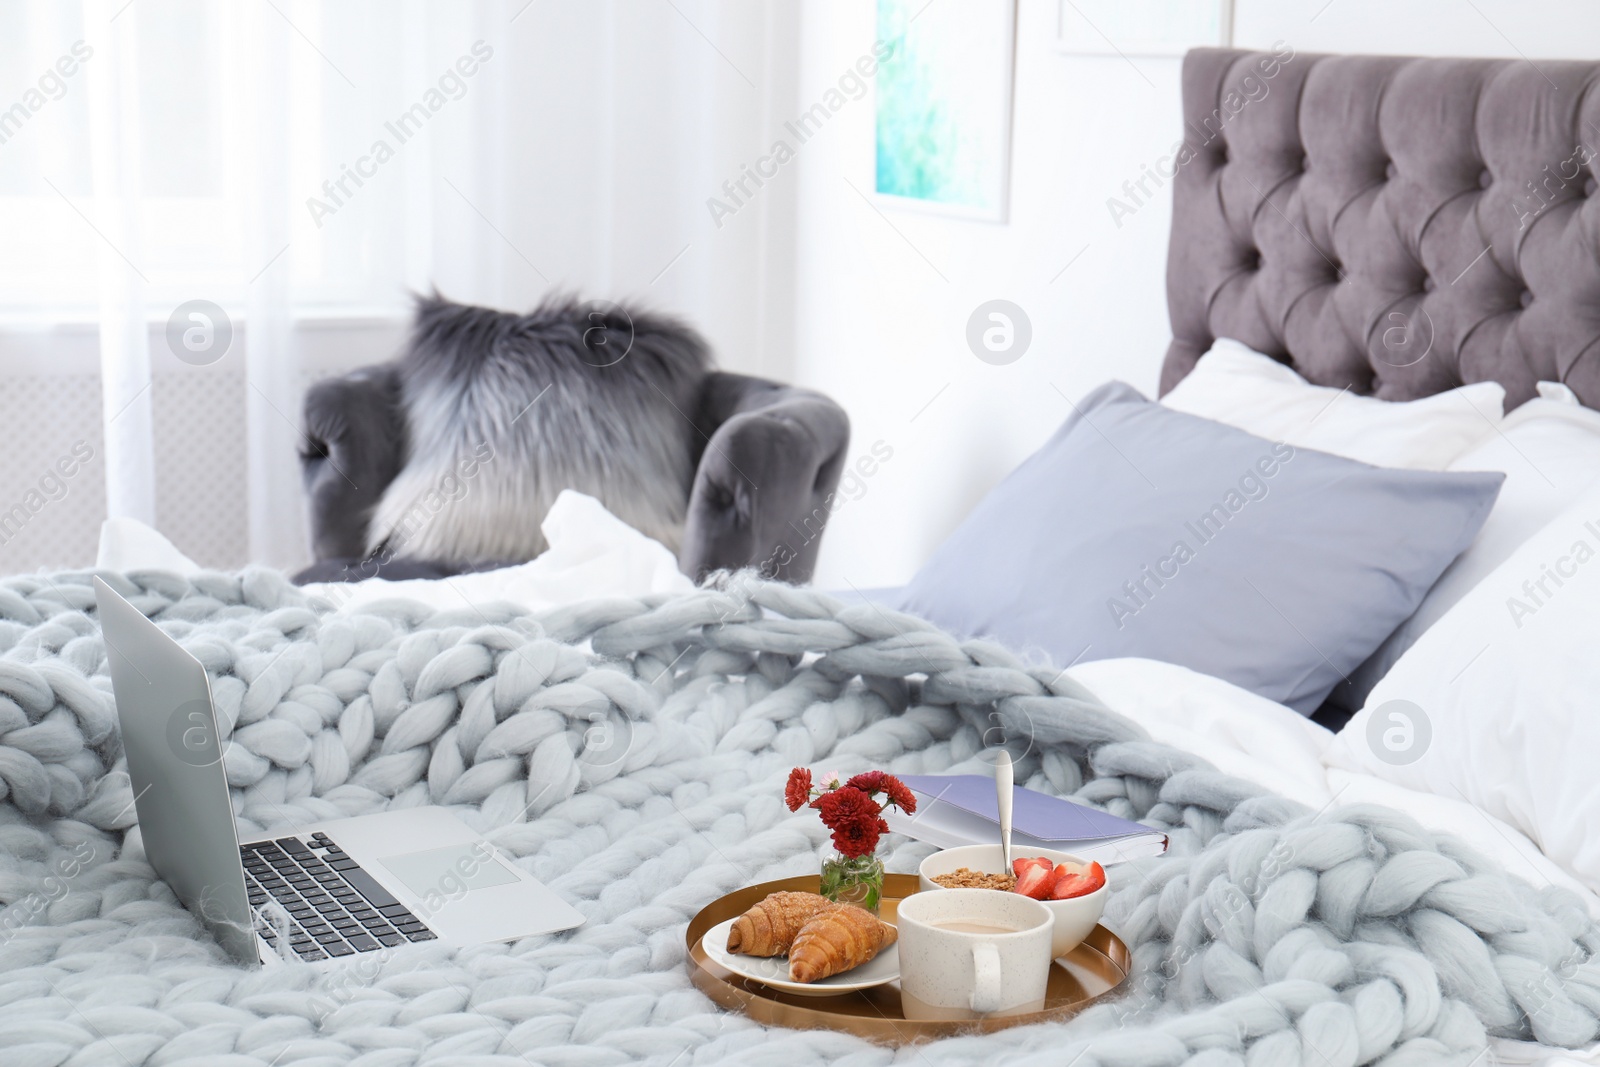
632	755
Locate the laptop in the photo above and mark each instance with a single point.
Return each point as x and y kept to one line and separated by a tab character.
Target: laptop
320	893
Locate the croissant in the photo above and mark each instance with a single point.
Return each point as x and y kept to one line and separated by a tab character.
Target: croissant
836	939
769	928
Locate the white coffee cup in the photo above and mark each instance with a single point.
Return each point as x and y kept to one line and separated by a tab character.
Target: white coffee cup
973	950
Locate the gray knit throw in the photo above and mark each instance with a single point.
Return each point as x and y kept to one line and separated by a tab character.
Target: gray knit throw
641	775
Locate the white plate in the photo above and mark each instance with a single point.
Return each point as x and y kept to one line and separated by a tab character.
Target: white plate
774	970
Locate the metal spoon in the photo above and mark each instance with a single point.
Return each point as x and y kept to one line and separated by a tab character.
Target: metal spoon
1002	795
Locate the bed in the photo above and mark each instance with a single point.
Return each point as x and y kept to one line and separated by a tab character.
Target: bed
1430	926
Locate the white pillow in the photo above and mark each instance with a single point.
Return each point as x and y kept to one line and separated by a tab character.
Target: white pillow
1239	386
1502	697
1549	451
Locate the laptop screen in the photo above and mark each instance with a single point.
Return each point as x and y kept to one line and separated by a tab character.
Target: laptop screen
180	788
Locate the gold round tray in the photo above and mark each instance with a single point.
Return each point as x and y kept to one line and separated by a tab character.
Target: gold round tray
1084	975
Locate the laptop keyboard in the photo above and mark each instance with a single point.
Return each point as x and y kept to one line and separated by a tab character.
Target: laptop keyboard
335	907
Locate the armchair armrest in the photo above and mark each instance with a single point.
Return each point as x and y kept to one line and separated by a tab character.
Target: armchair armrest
355	443
763	487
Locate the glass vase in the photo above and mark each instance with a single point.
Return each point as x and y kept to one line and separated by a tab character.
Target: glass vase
854	880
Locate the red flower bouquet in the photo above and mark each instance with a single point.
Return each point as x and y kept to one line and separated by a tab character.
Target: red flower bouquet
850	809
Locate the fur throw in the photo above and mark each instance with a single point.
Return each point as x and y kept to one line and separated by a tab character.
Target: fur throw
505	411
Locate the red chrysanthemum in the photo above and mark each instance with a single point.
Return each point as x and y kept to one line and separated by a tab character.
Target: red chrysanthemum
899	795
868	782
859	837
798	791
880	782
845	804
850	810
854	819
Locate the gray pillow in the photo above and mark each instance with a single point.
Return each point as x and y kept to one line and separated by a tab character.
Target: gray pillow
1141	531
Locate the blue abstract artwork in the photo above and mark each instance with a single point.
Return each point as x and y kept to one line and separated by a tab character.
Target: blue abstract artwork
944	104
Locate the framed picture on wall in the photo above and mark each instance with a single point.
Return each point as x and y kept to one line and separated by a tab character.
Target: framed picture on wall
943	99
1143	27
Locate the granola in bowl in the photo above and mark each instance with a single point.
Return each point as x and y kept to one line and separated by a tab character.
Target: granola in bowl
966	878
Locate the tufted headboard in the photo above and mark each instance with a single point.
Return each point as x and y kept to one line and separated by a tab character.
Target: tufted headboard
1393	225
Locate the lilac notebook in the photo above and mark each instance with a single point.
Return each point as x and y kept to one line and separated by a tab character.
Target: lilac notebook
960	809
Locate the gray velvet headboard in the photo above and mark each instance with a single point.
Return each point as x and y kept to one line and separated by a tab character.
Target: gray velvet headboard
1393	225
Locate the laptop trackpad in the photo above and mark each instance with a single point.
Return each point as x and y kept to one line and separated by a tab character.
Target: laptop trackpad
449	871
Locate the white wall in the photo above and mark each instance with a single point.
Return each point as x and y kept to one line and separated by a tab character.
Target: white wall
879	329
1527	29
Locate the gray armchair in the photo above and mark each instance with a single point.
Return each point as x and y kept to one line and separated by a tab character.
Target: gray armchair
446	459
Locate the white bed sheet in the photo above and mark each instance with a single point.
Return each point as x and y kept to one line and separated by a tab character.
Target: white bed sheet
1263	742
1266	743
592	554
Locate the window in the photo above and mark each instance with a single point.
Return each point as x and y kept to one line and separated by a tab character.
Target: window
175	82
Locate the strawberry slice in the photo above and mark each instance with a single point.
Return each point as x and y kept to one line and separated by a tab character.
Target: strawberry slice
1034	882
1067	883
1021	863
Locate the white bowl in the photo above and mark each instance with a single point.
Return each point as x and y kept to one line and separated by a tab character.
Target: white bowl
1074	917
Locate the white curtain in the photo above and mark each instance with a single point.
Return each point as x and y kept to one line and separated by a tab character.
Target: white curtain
272	362
113	84
292	96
